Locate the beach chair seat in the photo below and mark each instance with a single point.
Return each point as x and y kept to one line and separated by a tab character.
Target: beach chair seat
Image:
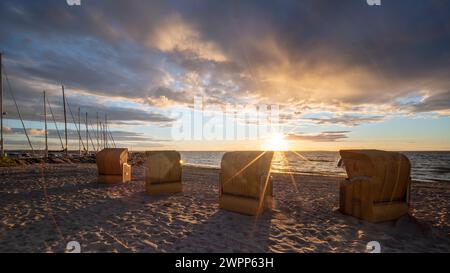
112	166
377	186
163	172
245	182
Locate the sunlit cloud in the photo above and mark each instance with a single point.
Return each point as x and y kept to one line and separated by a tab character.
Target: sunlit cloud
137	62
175	34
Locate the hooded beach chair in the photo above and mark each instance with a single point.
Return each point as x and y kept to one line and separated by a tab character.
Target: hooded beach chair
378	184
163	172
112	166
245	182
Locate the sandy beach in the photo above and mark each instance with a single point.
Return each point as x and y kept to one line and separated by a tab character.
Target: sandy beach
44	206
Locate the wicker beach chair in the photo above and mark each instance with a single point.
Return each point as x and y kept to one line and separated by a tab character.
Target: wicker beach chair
112	166
163	172
245	183
377	187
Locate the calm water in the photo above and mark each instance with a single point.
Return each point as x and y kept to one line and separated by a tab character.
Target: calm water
426	166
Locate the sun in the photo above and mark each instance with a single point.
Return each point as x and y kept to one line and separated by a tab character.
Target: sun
275	142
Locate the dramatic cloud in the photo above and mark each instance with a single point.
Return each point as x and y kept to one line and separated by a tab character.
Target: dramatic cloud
134	60
37	136
438	102
30	102
108	47
176	35
163	96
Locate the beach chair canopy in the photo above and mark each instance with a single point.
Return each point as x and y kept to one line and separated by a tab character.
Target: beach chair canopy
163	166
110	161
388	171
242	173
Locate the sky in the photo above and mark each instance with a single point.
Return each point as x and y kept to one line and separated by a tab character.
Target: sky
230	75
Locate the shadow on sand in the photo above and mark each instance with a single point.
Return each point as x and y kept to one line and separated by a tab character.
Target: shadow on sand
222	232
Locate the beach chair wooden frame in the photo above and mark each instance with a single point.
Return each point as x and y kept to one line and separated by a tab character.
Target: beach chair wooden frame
112	166
163	172
377	187
245	183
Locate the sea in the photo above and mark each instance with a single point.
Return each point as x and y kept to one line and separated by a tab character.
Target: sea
426	166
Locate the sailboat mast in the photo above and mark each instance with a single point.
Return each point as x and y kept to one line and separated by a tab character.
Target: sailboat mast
101	136
79	128
65	117
105	130
45	128
87	135
2	150
98	140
